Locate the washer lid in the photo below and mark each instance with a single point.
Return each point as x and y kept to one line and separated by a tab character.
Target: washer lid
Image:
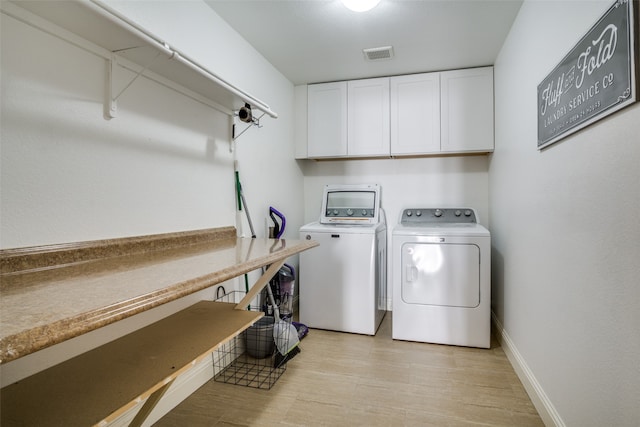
351	204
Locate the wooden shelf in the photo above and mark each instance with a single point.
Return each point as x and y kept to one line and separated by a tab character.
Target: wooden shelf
103	383
48	304
44	302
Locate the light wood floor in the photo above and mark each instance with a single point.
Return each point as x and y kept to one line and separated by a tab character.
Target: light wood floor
344	379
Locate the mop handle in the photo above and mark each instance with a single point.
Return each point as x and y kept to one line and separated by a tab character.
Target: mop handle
242	200
246	211
276	311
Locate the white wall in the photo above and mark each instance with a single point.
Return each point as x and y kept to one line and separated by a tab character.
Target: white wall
164	164
410	182
269	175
565	232
69	175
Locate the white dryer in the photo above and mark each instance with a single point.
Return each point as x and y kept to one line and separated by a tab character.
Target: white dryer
441	277
343	282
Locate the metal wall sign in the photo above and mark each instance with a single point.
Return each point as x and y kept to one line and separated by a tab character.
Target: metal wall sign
595	79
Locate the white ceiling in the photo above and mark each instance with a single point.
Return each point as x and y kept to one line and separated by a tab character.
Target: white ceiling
312	41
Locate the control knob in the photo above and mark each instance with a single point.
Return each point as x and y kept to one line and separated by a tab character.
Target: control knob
418	213
467	213
349	212
438	213
335	211
409	213
364	212
458	213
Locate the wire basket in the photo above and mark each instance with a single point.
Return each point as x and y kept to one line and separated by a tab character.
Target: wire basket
251	359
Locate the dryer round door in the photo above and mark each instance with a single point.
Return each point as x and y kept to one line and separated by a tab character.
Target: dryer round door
441	274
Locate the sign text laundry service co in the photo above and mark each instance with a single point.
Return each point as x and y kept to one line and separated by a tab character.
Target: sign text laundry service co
595	79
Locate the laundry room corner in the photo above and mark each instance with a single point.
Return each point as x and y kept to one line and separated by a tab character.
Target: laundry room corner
437	219
432	181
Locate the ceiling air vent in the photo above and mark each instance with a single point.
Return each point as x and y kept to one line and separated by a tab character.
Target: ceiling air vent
378	53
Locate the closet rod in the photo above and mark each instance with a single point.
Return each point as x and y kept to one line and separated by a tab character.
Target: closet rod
121	20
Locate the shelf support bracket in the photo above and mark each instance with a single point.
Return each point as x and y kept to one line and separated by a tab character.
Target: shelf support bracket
149	404
112	101
254	122
260	283
112	104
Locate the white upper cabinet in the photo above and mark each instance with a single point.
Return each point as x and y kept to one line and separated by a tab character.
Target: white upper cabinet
444	112
415	114
348	119
368	117
467	110
327	120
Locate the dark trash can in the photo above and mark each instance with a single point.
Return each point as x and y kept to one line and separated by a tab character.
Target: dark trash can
259	338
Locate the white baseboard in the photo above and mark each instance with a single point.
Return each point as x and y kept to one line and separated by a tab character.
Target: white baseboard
540	400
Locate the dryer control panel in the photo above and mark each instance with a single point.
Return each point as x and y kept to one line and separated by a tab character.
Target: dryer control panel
434	216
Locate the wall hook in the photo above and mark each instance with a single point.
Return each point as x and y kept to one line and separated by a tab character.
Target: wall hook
252	121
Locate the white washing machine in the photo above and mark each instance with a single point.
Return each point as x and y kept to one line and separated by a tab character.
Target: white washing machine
343	282
441	277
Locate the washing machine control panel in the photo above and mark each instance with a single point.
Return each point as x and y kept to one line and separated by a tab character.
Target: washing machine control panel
356	213
351	204
431	216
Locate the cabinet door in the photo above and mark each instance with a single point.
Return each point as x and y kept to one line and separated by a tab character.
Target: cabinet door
415	114
467	110
327	120
368	117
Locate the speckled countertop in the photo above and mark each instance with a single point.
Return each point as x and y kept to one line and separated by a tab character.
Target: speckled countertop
43	306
